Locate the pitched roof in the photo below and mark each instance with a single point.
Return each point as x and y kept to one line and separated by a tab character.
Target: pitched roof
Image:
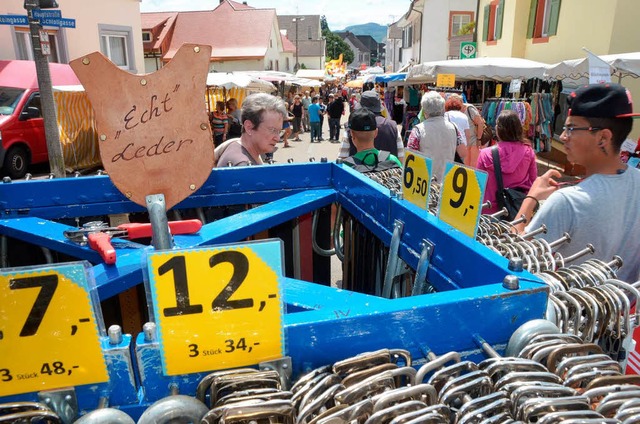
228	43
368	41
353	39
160	25
308	26
287	45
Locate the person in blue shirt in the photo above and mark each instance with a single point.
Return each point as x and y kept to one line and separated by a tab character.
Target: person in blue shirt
314	120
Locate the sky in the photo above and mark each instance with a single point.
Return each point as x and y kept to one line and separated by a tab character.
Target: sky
339	13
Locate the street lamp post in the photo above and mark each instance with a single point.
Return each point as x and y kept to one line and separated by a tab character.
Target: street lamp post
296	20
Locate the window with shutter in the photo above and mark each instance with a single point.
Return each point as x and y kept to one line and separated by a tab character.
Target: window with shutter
543	19
492	21
485	23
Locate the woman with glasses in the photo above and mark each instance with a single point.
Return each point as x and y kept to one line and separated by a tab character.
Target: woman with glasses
603	209
262	116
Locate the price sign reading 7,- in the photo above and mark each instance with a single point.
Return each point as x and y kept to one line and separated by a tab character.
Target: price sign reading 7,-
416	179
49	335
217	308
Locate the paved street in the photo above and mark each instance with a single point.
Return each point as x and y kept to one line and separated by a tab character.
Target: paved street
303	151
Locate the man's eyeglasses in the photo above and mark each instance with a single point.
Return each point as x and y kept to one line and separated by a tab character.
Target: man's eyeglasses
569	130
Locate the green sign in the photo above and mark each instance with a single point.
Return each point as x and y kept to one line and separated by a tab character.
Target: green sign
468	50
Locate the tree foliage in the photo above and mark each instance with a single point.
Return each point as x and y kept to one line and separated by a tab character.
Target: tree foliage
323	24
335	45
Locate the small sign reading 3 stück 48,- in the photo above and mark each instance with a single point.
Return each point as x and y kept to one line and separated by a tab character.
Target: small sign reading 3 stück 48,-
49	329
217	307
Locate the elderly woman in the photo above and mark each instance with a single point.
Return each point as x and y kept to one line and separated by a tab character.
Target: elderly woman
435	137
262	116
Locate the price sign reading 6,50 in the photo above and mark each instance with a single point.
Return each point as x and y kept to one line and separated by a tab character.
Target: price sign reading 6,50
416	179
461	199
218	307
49	335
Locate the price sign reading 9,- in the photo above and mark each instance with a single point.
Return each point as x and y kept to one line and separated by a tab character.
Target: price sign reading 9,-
49	329
461	197
416	179
218	307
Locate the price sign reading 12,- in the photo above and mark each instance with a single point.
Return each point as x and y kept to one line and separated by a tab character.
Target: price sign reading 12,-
461	198
218	307
49	329
416	179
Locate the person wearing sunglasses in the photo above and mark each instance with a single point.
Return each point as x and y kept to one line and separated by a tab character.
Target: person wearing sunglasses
262	116
604	208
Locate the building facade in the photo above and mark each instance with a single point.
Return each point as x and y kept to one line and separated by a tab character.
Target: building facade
361	53
112	28
430	28
551	31
262	48
305	33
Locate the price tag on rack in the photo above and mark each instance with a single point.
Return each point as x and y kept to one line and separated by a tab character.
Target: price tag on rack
461	199
218	307
49	329
416	179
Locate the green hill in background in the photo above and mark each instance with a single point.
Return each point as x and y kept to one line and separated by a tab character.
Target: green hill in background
377	31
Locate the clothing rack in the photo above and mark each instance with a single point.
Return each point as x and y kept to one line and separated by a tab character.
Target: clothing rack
536	115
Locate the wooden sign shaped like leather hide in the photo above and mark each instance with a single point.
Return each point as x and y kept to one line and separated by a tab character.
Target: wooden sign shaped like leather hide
154	132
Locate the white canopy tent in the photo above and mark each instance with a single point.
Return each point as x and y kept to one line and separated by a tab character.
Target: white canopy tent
317	74
496	68
622	65
230	80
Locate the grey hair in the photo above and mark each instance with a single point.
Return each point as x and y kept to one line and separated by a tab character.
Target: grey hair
255	105
432	104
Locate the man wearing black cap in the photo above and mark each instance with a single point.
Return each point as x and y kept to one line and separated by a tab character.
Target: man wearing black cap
388	138
362	124
603	209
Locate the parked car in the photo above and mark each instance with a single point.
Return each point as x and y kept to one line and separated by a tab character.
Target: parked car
22	136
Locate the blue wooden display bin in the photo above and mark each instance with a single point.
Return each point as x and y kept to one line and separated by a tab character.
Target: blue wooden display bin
322	324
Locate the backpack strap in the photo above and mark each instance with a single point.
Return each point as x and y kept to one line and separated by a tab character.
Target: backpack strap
383	155
497	170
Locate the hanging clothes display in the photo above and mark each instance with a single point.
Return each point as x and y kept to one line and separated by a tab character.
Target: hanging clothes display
536	115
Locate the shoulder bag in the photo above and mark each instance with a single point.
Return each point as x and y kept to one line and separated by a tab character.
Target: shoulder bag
510	198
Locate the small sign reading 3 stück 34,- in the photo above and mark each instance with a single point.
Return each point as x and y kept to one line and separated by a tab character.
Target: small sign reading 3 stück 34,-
217	307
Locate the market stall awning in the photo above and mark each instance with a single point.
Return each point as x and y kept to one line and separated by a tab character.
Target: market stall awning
495	68
230	80
397	76
22	74
355	83
317	74
622	65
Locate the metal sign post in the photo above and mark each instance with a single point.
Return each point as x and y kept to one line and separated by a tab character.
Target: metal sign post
56	158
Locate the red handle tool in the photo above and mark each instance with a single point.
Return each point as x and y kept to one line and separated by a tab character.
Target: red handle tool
100	240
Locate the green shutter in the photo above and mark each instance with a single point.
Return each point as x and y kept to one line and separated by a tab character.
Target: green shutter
485	23
554	15
499	18
533	8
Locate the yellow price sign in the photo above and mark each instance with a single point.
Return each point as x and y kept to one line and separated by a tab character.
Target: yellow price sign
218	307
49	330
446	80
461	198
416	179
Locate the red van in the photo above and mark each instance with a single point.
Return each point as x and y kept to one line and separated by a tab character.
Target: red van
22	138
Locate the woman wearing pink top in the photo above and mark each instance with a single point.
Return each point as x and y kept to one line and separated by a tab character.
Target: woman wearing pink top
517	159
